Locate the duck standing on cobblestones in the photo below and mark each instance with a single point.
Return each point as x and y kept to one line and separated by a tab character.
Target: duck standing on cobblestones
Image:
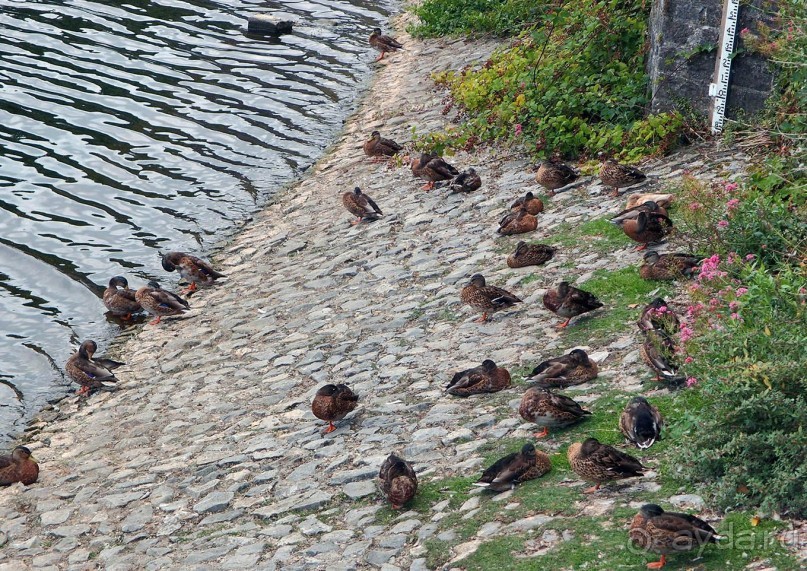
384	43
486	378
489	299
159	302
88	373
378	147
397	480
617	175
573	368
333	402
19	466
569	302
601	463
648	206
530	202
515	468
120	302
193	270
646	228
433	169
553	174
641	423
549	410
361	206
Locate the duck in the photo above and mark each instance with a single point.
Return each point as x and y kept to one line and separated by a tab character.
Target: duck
530	255
530	202
192	269
648	206
641	423
486	378
19	466
120	302
658	315
515	468
159	302
467	181
397	480
552	174
361	206
89	373
517	222
548	410
668	267
658	351
617	175
433	169
565	371
646	228
600	463
661	199
489	299
333	402
384	43
378	147
569	302
653	529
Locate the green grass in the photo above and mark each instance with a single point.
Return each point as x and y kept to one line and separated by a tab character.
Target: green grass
598	235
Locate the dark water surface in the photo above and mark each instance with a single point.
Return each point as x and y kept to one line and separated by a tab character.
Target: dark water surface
129	128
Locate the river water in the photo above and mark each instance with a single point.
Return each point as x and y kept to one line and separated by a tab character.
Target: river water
130	128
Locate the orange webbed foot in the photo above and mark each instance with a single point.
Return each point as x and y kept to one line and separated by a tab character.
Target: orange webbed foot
592	489
482	319
155	321
642	247
565	323
330	428
544	432
658	564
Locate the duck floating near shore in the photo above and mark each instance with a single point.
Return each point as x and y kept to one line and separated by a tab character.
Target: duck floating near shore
193	270
383	43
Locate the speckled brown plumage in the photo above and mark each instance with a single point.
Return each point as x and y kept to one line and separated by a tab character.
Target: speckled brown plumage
515	468
159	302
653	529
433	169
466	181
19	466
332	403
397	481
384	43
488	299
553	174
568	301
377	146
657	266
646	228
648	206
530	255
530	202
601	463
658	351
549	410
618	176
88	373
192	269
641	423
486	378
120	302
567	370
517	222
361	206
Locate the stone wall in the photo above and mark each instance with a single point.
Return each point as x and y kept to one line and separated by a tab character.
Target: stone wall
684	36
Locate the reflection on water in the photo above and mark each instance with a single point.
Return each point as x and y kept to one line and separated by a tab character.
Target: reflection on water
127	129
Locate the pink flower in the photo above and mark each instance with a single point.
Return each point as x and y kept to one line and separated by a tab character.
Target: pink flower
749	257
735	316
732	204
722	223
688	360
744	31
695	206
691	381
742	290
686	334
518	128
731	186
734	306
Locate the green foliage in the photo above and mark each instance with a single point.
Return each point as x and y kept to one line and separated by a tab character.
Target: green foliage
454	17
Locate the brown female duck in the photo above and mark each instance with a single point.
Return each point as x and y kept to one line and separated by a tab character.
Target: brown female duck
617	175
515	468
333	402
361	206
530	255
568	301
433	169
648	206
489	299
641	423
517	222
553	174
19	466
467	181
397	480
88	373
646	228
530	202
658	315
565	371
658	351
384	43
601	463
378	147
653	529
637	198
159	302
192	269
549	410
657	266
486	378
121	302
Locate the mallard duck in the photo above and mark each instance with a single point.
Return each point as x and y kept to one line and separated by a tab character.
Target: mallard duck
564	371
433	169
641	423
568	301
653	529
159	302
601	463
91	374
617	175
530	202
376	146
649	207
515	468
397	480
663	200
121	302
658	351
658	315
19	466
467	181
553	174
517	222
646	228
384	43
657	266
549	410
489	299
486	378
192	269
333	402
530	255
361	206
